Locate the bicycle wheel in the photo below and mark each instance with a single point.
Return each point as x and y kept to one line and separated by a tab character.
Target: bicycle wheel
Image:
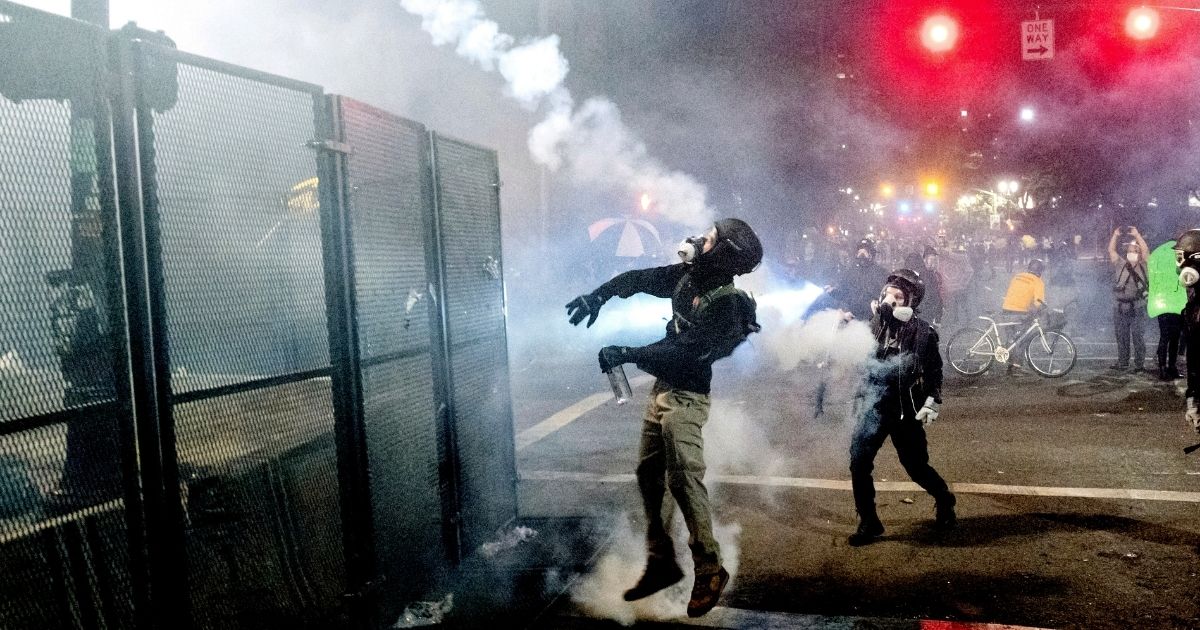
1051	355
971	351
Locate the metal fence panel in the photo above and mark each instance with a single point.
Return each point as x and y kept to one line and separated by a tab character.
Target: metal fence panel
235	188
390	203
64	539
241	240
469	231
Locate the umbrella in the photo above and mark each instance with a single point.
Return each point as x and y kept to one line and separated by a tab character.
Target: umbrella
630	244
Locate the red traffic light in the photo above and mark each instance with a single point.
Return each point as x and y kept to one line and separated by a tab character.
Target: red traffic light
1142	23
939	33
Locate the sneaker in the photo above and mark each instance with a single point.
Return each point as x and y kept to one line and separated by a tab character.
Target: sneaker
868	532
1117	367
658	575
706	592
945	518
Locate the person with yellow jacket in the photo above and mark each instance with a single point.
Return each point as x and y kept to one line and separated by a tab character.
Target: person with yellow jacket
1026	291
1025	298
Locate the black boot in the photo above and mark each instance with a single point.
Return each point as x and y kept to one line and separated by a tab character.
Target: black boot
869	530
659	575
945	518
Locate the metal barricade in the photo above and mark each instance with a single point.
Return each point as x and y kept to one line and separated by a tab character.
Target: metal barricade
68	492
468	234
390	207
234	191
253	368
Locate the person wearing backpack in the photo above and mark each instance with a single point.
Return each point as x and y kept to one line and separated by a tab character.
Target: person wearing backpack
711	318
1130	287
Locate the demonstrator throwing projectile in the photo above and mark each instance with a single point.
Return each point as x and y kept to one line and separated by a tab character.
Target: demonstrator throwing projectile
711	318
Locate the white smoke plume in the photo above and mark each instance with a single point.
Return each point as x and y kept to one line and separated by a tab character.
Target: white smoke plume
790	340
739	444
823	339
600	593
591	142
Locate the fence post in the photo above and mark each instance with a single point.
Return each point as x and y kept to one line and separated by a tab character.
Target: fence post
166	559
448	464
349	425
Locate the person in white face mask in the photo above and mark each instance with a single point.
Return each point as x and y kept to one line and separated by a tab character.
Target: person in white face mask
1130	286
907	379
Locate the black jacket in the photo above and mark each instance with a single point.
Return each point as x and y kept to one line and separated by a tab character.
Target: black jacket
683	359
908	374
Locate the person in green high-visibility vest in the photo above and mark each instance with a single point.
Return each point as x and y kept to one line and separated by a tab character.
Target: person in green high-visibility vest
1165	302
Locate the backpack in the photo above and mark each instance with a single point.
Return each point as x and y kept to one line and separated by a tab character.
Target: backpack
724	347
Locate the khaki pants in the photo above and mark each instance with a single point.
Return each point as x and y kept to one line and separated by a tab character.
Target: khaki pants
671	458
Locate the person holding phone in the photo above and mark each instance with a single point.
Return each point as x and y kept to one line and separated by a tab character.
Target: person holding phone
1127	254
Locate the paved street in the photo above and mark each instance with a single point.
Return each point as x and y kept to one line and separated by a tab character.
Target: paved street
1077	507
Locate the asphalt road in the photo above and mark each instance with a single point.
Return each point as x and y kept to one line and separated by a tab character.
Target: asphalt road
1077	507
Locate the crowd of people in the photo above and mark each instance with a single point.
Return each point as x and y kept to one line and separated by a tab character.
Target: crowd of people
966	277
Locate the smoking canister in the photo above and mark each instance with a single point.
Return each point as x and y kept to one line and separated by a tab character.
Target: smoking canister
620	384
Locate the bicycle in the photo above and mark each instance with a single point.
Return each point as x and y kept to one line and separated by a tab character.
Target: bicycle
1048	351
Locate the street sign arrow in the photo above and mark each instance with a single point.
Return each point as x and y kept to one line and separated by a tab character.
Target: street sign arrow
1040	50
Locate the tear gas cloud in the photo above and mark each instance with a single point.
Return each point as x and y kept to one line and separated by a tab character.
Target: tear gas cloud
592	142
599	593
787	339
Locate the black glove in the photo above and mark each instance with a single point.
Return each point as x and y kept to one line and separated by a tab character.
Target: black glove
587	305
612	356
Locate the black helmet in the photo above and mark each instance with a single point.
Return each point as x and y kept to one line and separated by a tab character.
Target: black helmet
868	245
1036	267
911	283
1187	246
738	248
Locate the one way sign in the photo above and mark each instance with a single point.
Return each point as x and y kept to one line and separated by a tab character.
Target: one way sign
1037	40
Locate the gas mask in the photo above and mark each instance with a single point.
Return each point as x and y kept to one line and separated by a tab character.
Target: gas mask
887	307
691	248
1189	275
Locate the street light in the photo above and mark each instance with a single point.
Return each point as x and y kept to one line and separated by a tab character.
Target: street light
939	33
1027	114
1142	23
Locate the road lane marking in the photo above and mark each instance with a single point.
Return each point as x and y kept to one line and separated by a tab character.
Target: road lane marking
530	436
885	486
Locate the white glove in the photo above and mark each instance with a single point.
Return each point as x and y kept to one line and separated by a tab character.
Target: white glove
1193	414
929	412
